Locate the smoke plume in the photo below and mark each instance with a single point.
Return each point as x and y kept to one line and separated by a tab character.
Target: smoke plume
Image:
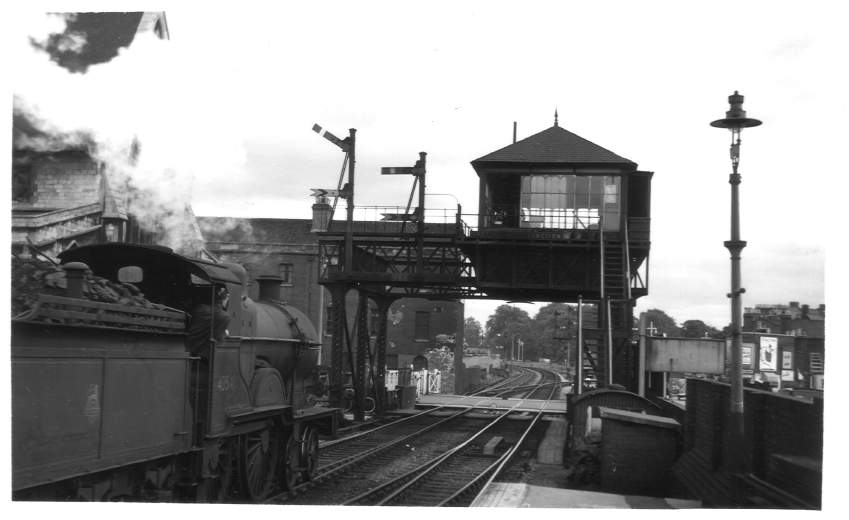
151	114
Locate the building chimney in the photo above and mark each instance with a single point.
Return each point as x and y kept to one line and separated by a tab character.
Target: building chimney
75	276
320	215
514	132
269	287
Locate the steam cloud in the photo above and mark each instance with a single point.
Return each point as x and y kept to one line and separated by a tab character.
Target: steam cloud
152	115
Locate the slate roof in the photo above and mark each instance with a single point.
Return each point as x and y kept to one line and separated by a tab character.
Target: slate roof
555	145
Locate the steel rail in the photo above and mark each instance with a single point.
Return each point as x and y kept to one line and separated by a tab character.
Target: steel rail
499	384
523	375
328	470
407	481
498	466
519	388
501	463
357	435
411	477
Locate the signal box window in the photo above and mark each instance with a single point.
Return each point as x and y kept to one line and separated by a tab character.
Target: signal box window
286	273
422	331
570	202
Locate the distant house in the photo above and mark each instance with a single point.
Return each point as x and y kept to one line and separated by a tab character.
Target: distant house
797	335
792	319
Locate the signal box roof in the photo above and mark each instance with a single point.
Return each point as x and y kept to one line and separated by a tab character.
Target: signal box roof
554	146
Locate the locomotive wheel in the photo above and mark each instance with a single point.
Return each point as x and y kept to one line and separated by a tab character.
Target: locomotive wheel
290	463
259	456
309	454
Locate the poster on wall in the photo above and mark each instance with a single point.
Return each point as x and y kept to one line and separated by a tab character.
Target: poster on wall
768	353
786	360
746	354
787	375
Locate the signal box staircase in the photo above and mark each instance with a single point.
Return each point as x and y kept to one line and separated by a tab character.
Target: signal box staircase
608	321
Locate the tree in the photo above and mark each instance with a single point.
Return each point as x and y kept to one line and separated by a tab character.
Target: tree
554	327
699	329
505	326
658	323
472	332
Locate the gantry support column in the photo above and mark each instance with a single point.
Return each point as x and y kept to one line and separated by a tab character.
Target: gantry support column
625	356
338	326
578	386
380	355
363	354
602	358
459	367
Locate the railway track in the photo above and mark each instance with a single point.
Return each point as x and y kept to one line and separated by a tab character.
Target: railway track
454	474
528	383
434	458
384	462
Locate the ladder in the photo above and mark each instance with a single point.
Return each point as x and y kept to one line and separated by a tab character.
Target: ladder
612	310
614	283
591	343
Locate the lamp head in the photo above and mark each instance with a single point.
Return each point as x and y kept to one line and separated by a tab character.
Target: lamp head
735	117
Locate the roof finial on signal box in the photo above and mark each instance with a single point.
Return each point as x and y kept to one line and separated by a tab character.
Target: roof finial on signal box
555	117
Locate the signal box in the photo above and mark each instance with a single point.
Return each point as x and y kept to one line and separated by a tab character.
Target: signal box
560	217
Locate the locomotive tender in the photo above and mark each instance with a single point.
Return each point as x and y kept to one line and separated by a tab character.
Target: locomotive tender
109	404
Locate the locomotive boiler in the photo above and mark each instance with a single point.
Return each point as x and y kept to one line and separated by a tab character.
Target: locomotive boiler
109	402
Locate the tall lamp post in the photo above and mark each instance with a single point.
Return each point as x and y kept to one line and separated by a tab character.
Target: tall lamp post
735	120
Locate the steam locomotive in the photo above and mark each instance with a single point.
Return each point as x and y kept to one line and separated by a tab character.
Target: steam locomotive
108	403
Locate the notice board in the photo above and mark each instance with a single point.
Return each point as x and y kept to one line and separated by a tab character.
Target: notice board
700	355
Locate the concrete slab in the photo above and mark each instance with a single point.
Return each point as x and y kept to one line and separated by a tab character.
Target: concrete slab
550	450
523	495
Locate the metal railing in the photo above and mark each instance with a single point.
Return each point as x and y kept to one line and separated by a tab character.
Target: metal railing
397	219
504	216
627	262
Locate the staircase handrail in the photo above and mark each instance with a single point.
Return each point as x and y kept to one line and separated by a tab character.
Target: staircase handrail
627	262
601	248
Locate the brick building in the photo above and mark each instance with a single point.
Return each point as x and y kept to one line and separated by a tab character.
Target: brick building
288	249
795	335
792	319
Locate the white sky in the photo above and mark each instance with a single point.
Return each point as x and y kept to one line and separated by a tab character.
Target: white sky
643	79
